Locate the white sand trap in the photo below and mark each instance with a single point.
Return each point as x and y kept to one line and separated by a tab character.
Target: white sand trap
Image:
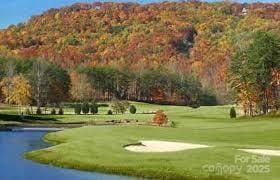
262	151
162	146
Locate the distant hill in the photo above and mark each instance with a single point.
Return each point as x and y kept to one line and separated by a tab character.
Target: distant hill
187	37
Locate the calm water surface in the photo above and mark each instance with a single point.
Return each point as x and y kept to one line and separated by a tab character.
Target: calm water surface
14	167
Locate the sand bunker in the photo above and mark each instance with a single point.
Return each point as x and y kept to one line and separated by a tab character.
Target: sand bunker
162	146
263	151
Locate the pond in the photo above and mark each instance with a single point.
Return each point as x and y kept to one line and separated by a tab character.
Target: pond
14	167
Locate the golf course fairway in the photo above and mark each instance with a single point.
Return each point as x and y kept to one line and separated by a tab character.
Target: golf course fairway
101	148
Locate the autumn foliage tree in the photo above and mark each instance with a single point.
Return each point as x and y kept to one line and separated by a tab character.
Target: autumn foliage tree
253	72
50	83
20	91
160	118
80	89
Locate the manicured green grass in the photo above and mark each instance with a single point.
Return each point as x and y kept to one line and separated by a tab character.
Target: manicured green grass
8	123
100	148
70	117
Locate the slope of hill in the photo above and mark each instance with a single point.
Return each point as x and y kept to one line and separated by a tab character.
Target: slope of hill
185	37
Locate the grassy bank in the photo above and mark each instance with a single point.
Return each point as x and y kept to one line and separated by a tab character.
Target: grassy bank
100	148
70	117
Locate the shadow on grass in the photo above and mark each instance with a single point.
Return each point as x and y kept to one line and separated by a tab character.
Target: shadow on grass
259	118
12	117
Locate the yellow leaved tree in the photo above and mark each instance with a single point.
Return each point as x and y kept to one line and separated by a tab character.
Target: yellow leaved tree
19	91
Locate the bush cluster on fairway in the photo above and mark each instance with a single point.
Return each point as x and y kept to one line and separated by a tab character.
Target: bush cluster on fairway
85	108
94	108
132	109
160	118
60	111
232	113
38	111
53	112
78	108
110	112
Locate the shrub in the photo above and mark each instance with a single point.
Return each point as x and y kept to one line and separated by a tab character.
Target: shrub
160	118
94	108
194	105
39	111
232	113
78	108
173	124
110	112
60	111
53	112
85	108
120	106
132	109
27	111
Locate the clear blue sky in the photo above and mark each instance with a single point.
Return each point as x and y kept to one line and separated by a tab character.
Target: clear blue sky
16	11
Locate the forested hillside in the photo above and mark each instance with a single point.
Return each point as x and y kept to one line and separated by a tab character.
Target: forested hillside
179	39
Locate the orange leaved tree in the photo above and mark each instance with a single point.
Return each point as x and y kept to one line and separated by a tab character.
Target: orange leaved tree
160	118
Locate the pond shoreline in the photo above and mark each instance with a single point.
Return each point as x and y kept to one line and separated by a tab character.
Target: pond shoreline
34	124
27	141
49	127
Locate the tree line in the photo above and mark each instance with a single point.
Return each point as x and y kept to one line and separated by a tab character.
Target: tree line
43	83
150	85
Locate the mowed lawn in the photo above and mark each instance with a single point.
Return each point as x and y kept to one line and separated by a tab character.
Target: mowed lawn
100	148
70	117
